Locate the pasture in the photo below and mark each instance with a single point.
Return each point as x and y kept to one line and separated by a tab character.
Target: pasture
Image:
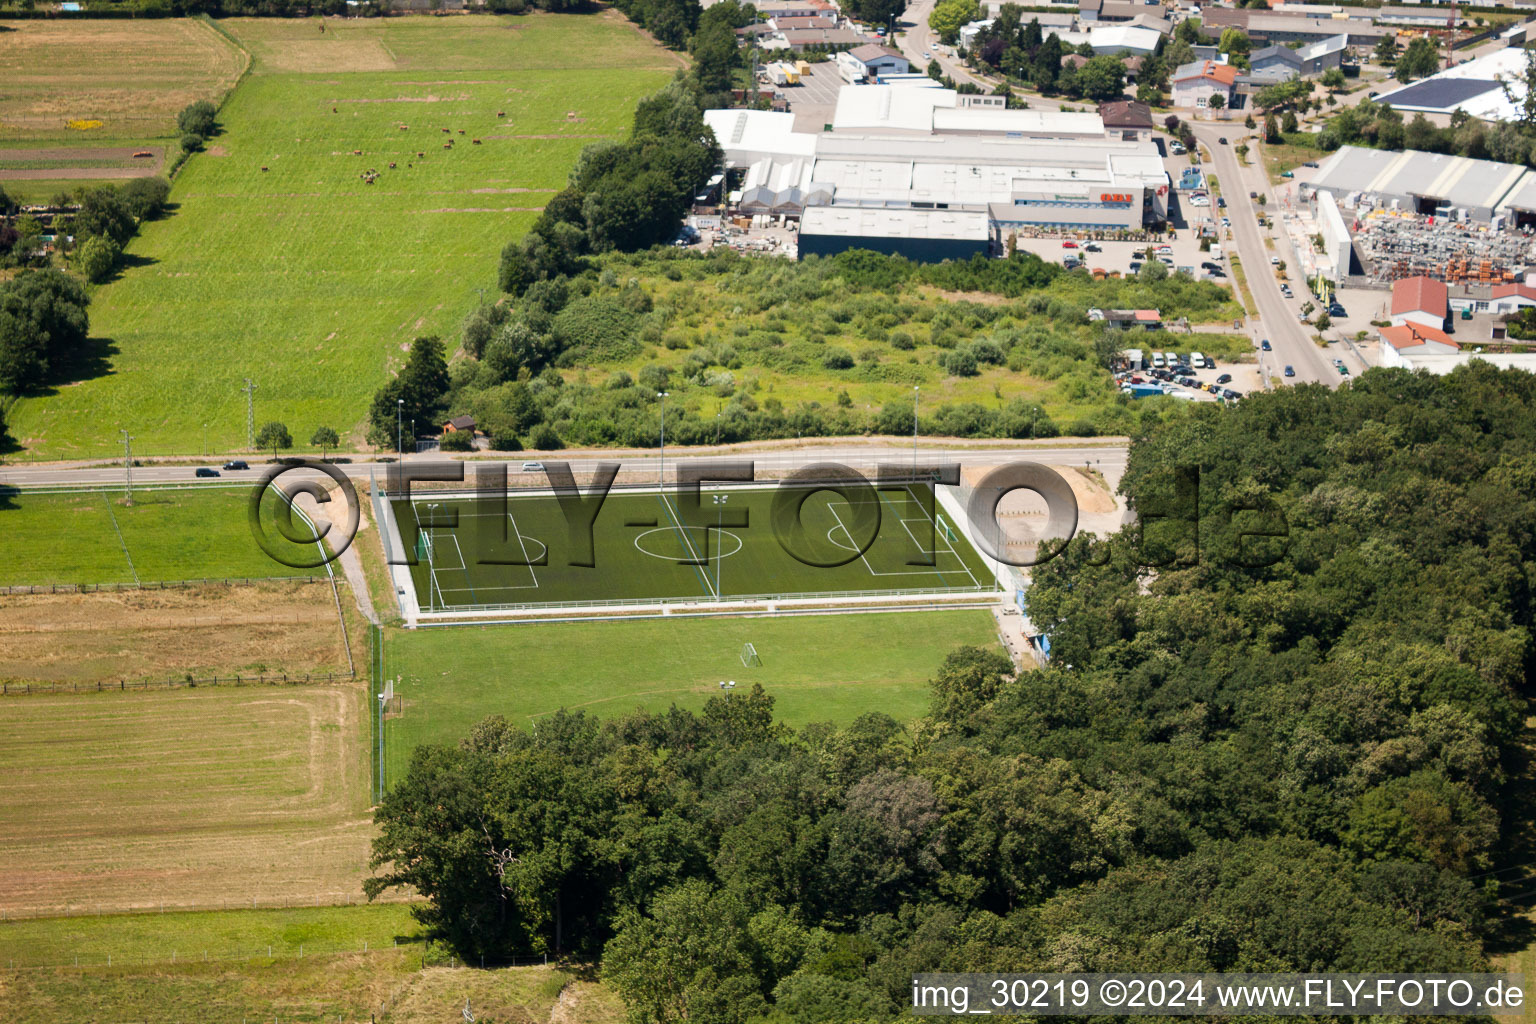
165	535
284	264
821	668
207	797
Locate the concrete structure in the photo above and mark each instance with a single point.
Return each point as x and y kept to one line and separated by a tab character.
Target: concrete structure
1428	183
870	61
1136	40
1281	63
923	235
1476	87
1338	249
1195	83
1419	301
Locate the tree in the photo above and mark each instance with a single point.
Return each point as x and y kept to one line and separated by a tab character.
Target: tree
1288	122
1152	272
104	212
325	439
43	325
145	197
877	12
417	393
1217	101
1385	53
98	255
273	435
949	16
1234	43
1419	60
1323	322
1334	80
199	118
1102	78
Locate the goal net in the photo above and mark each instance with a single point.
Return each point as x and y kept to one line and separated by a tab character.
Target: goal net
945	530
749	655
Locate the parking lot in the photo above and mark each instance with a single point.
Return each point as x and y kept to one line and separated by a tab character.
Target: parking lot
1242	378
1116	257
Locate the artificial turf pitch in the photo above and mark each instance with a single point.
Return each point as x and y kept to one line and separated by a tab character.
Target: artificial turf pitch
650	546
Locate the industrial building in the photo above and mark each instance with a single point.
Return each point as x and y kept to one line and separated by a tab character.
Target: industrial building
1454	187
1277	63
1476	87
899	154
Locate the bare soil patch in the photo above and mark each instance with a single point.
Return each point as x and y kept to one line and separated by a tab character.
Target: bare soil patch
160	634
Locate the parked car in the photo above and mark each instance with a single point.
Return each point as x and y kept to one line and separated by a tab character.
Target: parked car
1290	371
1225	378
236	464
1343	370
1222	140
1335	310
1310	163
206	471
1093	247
1274	261
1264	344
1135	266
1070	263
1069	244
1287	174
1165	250
1226	222
1253	195
1229	393
1221	201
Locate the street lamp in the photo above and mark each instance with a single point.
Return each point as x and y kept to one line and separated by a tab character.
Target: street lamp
399	412
662	478
431	569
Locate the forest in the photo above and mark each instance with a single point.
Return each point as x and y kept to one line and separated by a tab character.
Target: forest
1277	733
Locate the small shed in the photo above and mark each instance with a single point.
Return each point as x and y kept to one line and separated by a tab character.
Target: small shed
459	423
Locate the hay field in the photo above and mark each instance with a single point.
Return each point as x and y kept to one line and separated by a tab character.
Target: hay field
202	632
201	797
305	277
132	76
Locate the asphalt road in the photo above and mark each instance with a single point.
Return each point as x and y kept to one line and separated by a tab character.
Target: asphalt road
917	39
1107	458
1277	320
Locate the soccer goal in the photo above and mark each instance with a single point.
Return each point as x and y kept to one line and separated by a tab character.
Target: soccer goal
945	530
749	655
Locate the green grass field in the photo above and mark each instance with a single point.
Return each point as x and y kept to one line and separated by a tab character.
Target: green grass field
652	546
216	934
822	668
166	535
306	278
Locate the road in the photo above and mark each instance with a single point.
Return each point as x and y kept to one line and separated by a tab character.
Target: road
917	39
1277	320
1108	458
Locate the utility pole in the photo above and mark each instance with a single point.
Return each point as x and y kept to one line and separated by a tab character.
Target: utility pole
127	464
250	413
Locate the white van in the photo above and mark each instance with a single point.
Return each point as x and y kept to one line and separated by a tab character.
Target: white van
1157	360
1197	360
1215	251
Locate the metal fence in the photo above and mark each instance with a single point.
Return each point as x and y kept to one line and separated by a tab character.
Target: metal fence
730	600
20	689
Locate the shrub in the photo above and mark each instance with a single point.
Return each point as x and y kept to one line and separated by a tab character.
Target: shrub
902	340
543	438
457	441
837	359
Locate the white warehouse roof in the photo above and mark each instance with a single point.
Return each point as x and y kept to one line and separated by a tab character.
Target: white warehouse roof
884	108
864	222
748	136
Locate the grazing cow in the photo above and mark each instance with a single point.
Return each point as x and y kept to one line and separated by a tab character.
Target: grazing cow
391	165
447	130
461	131
421	156
405	127
447	145
357	152
333	110
263	168
501	113
477	142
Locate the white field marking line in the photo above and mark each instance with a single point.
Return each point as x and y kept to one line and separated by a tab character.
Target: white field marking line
676	529
524	546
935	571
464	566
677	520
947	543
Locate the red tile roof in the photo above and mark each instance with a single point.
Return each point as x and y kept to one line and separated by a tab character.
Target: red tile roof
1504	291
1418	294
1414	335
1148	315
1226	74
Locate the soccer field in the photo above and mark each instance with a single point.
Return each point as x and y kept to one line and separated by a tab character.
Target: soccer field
650	546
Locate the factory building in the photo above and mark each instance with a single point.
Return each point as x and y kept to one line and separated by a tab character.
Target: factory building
1434	184
934	180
